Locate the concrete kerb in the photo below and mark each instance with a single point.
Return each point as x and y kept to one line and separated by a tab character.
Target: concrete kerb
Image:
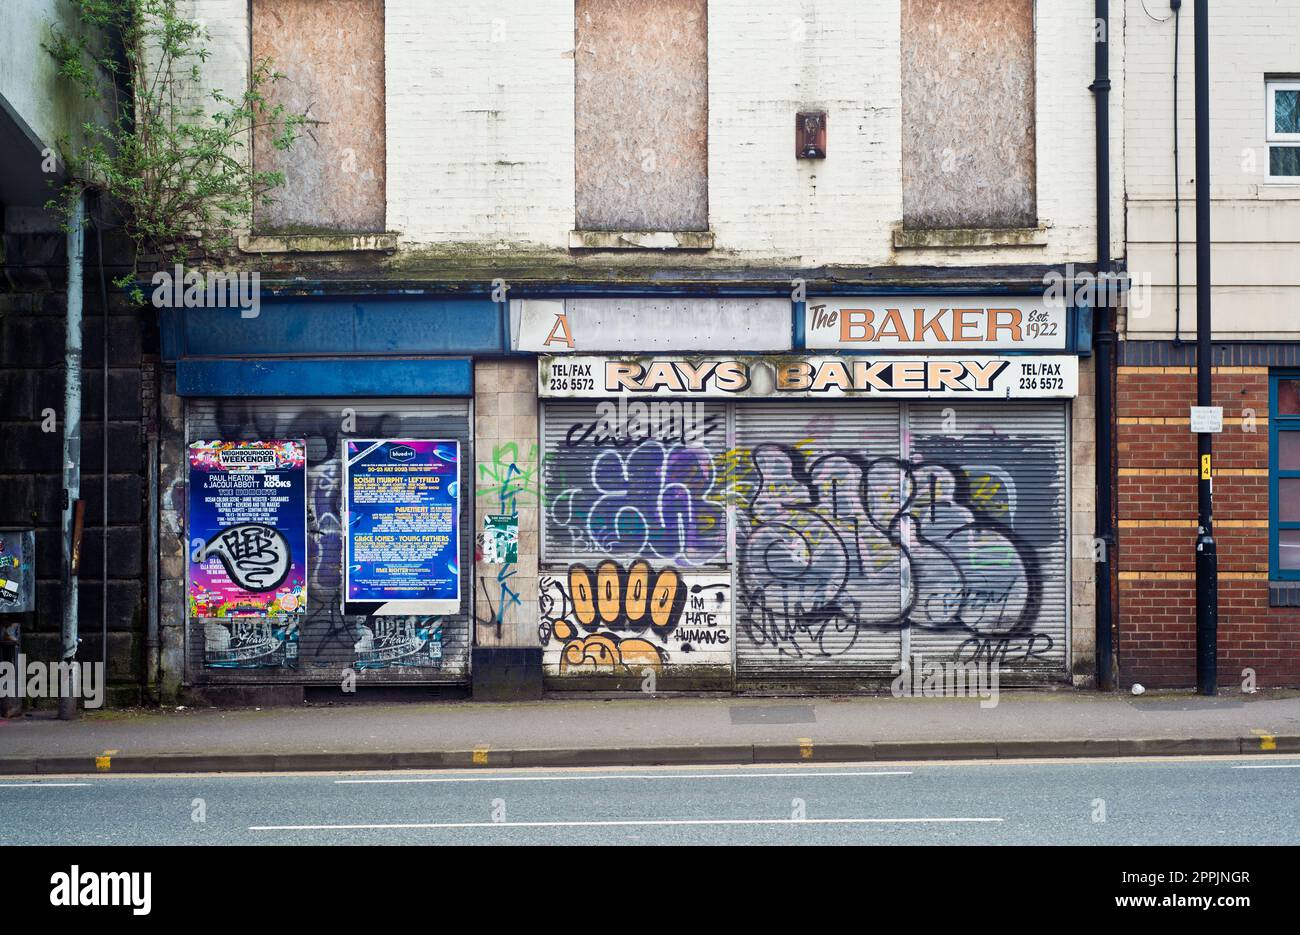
694	755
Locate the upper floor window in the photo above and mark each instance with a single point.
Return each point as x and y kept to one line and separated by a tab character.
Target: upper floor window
1284	483
641	115
968	70
1284	130
332	59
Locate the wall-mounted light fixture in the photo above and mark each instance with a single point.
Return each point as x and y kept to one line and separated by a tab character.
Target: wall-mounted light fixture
810	134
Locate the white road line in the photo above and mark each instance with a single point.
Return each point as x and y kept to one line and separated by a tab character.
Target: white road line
37	785
1268	766
813	775
627	823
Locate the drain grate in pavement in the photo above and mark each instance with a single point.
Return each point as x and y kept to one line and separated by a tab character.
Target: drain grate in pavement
774	714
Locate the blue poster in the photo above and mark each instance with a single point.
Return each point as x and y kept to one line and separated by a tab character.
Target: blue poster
402	500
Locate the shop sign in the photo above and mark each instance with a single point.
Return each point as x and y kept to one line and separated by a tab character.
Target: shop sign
956	376
582	325
950	323
402	516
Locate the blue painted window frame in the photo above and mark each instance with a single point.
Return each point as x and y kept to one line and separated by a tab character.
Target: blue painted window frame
1277	424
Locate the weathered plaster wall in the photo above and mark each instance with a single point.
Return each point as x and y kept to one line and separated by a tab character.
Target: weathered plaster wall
1255	222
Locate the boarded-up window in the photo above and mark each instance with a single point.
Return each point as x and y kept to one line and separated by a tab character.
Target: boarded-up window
641	114
968	113
332	55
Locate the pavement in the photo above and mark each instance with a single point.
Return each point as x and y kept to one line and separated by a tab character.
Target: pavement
1242	800
650	730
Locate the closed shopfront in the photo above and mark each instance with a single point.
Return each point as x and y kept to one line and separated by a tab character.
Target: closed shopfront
323	628
885	484
803	539
870	533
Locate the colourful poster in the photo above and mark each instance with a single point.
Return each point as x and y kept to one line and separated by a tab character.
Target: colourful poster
500	542
248	549
402	504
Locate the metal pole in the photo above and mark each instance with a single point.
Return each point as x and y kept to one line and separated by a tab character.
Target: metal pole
72	446
1207	561
1104	341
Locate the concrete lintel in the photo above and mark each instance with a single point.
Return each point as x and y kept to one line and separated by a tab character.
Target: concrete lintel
640	240
318	243
969	238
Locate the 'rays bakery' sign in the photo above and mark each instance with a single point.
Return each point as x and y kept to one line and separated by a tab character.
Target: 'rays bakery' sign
957	375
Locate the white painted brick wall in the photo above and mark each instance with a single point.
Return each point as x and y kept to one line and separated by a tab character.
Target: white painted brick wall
226	22
480	121
480	127
770	59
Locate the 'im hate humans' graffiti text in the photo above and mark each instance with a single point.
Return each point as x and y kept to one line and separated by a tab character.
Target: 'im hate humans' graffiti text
616	620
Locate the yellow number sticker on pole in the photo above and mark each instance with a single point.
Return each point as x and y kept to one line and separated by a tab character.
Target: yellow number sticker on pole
1205	467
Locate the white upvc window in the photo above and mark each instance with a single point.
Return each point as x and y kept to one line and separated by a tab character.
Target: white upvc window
1283	135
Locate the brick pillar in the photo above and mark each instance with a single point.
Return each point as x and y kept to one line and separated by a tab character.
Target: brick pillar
1083	514
507	659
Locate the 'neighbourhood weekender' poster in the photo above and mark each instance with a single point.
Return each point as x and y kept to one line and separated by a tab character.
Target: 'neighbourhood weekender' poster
402	500
248	550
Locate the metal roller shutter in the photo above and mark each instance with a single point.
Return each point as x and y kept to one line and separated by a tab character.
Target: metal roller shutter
327	638
819	582
987	533
634	579
652	489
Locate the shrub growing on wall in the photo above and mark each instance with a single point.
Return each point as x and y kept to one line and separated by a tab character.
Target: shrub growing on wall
172	154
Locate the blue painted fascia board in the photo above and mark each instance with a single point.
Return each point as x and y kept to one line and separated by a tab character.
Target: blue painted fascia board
307	325
325	377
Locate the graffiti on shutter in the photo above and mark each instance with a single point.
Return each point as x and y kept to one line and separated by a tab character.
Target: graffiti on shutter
634	539
844	546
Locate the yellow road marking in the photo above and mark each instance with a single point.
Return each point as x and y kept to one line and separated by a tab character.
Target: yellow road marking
1267	741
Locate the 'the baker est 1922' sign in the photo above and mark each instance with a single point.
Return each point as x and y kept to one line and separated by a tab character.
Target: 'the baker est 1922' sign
952	323
974	376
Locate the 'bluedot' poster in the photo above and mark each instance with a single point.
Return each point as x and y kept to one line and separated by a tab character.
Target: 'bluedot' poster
402	499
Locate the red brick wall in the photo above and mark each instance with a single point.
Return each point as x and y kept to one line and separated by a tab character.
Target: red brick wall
1157	534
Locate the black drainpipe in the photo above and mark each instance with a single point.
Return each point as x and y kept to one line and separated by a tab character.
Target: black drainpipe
1103	340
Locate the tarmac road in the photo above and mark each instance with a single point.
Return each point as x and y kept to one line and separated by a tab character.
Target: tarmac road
1183	800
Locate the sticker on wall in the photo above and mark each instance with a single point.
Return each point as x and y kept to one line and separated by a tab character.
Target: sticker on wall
17	578
248	550
499	544
402	516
